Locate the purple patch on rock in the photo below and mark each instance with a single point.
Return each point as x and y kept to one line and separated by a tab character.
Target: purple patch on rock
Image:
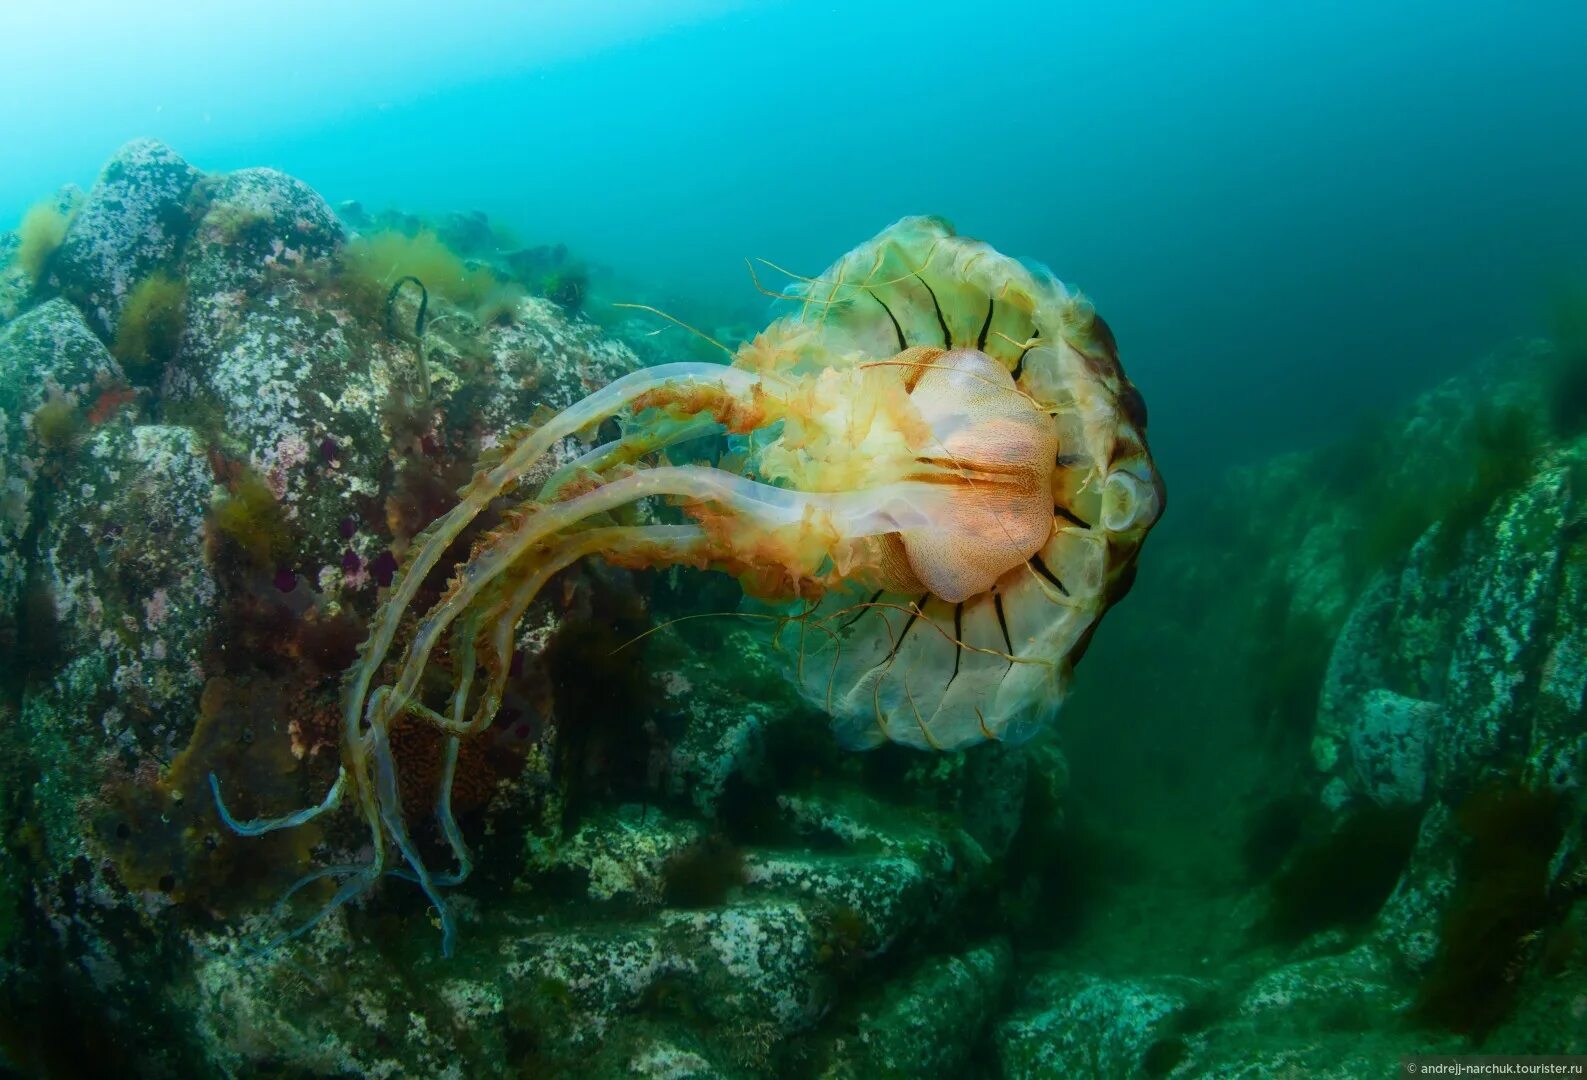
328	449
384	568
515	666
350	561
286	580
347	527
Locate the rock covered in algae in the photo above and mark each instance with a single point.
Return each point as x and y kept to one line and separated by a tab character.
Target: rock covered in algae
122	557
121	561
16	285
257	222
1075	1024
18	261
928	1022
134	221
658	940
53	374
1399	683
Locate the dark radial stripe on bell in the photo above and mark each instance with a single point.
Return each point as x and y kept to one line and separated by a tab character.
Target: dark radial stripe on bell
899	330
947	338
864	610
1019	365
1002	622
980	342
918	607
1070	516
1041	568
958	642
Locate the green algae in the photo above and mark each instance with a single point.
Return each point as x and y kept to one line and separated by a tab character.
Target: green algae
58	423
39	235
703	875
152	322
1501	899
384	258
250	517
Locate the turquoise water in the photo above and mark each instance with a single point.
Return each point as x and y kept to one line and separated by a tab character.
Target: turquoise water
365	712
1289	214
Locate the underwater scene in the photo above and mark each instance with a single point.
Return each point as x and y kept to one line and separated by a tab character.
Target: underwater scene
726	539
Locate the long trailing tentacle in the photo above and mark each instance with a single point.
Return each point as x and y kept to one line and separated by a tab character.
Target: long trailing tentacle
433	543
390	803
640	542
680	541
465	665
260	826
623	451
486	486
360	881
862	513
632	447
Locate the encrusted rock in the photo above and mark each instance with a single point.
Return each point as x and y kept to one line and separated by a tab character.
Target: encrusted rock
258	221
341	1014
1360	981
541	359
302	390
1503	635
867	900
134	221
121	558
48	357
927	1023
1389	745
753	968
1077	1024
621	853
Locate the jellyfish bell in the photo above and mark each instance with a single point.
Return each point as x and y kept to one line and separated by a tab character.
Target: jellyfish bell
943	481
972	631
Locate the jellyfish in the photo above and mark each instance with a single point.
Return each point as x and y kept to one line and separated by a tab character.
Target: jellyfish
940	483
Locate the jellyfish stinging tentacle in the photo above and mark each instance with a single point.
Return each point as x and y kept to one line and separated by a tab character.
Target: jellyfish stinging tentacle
944	474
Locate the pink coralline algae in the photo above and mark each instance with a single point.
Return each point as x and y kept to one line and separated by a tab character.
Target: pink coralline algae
291	452
155	608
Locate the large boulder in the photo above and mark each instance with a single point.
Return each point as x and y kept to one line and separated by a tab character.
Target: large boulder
927	1023
134	222
56	381
1083	1025
257	222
